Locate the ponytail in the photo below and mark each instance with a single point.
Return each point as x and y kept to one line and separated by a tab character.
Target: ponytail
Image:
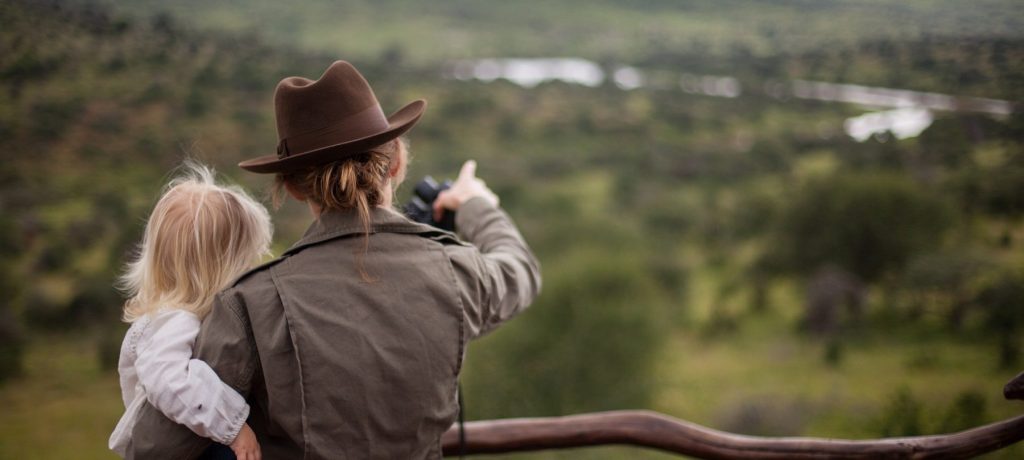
355	183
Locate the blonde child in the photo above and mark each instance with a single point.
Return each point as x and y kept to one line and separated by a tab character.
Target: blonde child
200	237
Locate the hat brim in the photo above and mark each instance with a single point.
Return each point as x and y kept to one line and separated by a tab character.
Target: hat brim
398	123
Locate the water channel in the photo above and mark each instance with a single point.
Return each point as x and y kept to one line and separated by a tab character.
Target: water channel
902	112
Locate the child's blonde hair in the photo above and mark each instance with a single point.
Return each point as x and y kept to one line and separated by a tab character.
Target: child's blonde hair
200	237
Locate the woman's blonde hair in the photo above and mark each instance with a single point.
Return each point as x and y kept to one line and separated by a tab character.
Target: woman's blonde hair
200	237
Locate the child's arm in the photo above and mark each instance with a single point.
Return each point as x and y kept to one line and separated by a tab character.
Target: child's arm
186	390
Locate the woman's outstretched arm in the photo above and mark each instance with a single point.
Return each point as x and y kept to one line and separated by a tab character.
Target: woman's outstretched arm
498	276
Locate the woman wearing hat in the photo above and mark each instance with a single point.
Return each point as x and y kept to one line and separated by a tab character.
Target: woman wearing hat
350	344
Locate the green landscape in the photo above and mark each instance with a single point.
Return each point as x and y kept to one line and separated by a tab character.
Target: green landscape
716	245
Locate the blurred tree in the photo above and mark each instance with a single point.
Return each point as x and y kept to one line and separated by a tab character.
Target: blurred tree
944	283
864	224
770	155
11	334
834	298
196	103
52	118
1002	299
901	416
1001	190
968	410
11	343
756	207
880	152
767	415
834	353
108	345
945	142
95	300
588	343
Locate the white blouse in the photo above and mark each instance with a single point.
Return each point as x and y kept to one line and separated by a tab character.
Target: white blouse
156	366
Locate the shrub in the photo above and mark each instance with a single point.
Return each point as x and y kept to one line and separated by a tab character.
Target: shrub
834	353
589	343
969	410
902	415
108	347
1001	300
943	283
11	345
834	298
765	416
864	224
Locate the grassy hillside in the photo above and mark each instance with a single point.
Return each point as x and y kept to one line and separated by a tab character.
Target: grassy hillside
426	32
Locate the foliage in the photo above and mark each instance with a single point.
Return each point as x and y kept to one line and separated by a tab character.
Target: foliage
902	416
833	355
1001	299
834	298
865	224
584	346
11	346
991	181
11	334
945	283
968	410
766	416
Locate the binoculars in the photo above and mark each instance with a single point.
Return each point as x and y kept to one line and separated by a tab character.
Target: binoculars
421	207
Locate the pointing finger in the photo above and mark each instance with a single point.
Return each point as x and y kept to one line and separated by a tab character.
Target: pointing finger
468	170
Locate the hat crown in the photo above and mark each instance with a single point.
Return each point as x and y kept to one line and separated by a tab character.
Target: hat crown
340	99
329	119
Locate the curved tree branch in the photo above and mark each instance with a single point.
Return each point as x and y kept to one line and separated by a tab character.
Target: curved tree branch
654	430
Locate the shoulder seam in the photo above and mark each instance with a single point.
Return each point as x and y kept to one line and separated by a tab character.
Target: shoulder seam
444	237
258	268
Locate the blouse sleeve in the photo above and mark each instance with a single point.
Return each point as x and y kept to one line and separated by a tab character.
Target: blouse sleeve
187	390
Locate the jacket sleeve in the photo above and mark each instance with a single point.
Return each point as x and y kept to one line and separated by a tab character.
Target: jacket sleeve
225	347
497	278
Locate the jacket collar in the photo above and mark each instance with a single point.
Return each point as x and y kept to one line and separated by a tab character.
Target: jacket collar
338	224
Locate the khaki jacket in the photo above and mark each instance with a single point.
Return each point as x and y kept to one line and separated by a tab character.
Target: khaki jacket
348	348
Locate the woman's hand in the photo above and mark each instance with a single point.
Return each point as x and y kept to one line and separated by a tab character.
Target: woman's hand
465	188
245	445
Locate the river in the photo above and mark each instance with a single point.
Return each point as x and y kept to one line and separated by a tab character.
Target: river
902	112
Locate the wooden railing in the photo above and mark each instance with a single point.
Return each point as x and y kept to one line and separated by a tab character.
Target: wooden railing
658	431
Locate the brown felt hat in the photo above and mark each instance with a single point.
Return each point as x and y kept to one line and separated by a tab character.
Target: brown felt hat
329	119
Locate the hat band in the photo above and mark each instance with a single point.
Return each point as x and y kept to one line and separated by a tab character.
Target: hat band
359	125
